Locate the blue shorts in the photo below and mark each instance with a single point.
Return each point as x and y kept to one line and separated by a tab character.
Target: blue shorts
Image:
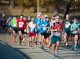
54	39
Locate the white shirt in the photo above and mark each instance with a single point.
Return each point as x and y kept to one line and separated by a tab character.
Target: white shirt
32	27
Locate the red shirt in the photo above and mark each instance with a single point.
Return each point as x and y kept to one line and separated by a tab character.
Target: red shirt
20	23
25	24
58	27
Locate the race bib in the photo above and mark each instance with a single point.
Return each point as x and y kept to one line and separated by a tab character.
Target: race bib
44	28
20	24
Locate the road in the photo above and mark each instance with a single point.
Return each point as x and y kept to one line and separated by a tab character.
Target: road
10	51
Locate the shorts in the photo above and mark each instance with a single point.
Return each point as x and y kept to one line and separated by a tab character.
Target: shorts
15	29
74	34
32	34
45	34
67	31
8	26
25	31
54	39
22	30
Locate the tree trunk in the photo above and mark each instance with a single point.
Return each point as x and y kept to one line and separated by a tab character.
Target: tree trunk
12	3
66	11
78	6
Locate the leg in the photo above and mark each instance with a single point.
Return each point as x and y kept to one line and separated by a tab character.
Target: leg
39	36
14	37
42	41
24	38
75	41
30	41
53	48
57	47
20	37
65	39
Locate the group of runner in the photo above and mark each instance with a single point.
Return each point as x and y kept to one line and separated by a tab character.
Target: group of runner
45	31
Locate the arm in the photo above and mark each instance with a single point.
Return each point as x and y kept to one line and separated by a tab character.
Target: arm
28	28
53	30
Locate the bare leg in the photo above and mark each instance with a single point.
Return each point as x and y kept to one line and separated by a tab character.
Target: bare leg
53	48
14	37
75	41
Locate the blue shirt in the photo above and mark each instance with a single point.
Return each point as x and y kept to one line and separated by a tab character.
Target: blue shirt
74	28
44	26
8	24
1	19
38	22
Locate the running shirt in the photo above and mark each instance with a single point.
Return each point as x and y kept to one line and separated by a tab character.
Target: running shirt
14	23
67	25
74	28
25	24
37	21
8	24
32	27
52	23
20	23
44	26
59	28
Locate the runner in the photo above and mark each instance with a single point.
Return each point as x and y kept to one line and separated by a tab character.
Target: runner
32	32
20	23
44	32
56	38
25	30
29	19
48	31
3	21
14	28
66	32
66	29
74	33
8	24
37	21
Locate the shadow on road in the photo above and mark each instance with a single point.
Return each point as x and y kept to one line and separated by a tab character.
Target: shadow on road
26	57
8	52
59	57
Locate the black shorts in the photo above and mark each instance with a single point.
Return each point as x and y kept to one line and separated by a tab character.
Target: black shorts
25	33
45	34
74	34
15	29
21	29
67	31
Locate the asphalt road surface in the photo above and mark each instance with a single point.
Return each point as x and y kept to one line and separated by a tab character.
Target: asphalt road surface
10	51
